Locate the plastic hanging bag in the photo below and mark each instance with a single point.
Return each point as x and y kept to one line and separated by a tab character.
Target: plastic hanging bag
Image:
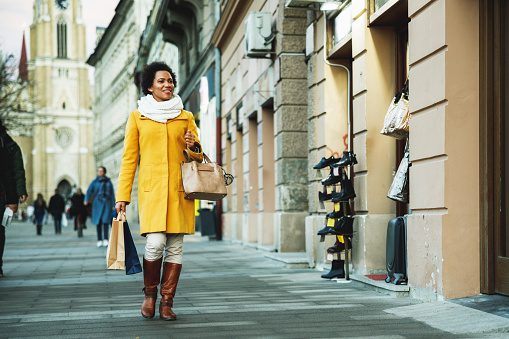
399	187
397	118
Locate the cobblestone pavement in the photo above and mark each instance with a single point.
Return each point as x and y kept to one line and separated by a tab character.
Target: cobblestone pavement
57	286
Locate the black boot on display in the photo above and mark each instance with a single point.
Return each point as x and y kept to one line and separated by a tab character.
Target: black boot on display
327	230
348	159
337	247
331	179
344	226
347	192
325	162
334	214
324	196
337	270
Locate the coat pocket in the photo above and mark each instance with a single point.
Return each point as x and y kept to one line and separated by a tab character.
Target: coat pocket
148	179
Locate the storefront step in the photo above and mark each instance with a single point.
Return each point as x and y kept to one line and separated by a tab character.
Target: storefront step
381	286
291	259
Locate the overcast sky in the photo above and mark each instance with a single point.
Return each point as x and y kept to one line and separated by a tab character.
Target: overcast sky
16	14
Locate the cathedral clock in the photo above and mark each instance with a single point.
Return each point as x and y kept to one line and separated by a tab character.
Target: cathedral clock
62	4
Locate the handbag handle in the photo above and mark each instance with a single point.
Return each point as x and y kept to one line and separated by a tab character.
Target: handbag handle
188	157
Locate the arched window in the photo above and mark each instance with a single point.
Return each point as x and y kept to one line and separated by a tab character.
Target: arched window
61	39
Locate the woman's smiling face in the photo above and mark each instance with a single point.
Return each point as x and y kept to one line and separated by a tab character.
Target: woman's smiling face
162	86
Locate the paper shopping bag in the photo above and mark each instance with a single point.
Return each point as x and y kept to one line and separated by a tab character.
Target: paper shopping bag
115	255
132	261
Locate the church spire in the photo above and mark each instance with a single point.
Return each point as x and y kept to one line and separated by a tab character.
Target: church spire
23	66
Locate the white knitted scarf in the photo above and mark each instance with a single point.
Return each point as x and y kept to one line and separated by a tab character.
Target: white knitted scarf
160	111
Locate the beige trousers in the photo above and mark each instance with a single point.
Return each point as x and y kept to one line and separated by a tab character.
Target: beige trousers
169	243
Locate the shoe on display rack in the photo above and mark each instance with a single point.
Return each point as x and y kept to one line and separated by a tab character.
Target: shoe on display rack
347	192
334	214
337	270
344	226
337	247
327	230
331	179
324	196
326	162
348	159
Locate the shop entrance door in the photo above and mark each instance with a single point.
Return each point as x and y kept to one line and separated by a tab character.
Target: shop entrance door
494	113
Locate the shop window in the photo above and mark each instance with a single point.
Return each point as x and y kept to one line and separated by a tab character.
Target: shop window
339	32
240	116
377	4
341	24
387	12
229	127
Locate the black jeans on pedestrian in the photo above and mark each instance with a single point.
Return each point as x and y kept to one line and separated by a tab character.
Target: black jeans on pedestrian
103	227
2	232
58	222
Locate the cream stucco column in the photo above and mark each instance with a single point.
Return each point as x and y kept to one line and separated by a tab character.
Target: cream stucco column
443	230
373	80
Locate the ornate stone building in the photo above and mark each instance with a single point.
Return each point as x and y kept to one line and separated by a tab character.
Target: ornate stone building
115	91
57	148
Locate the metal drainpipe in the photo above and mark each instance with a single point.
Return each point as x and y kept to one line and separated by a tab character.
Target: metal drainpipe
348	82
217	85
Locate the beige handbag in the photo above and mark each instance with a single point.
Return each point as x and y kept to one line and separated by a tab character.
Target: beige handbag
203	181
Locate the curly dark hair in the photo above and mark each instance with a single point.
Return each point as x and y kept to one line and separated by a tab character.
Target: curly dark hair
149	73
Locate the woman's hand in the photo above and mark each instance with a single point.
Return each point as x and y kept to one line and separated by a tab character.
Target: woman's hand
190	139
120	207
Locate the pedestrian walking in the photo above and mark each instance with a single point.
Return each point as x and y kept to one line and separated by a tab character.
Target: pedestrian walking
102	196
40	209
158	132
56	209
79	212
12	181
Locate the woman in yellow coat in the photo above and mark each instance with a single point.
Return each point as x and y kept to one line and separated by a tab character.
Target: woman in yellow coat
156	135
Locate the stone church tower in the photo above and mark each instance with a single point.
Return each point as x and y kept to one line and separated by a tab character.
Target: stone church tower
61	154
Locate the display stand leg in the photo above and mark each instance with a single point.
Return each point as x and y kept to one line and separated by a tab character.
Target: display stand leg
347	261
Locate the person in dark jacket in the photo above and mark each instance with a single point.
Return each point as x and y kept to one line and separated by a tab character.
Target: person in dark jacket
40	209
11	176
101	194
79	212
56	208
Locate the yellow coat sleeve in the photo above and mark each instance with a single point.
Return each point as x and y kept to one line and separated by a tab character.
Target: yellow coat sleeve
196	156
129	160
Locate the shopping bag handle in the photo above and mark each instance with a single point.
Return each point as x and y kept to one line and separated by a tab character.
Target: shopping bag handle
121	217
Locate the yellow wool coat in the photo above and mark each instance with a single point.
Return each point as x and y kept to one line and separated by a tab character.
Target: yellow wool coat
159	147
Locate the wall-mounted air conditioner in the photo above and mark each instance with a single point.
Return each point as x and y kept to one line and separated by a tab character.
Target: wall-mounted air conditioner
258	34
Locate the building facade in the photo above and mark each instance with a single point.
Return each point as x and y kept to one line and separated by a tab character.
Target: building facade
57	144
293	84
179	33
342	71
115	90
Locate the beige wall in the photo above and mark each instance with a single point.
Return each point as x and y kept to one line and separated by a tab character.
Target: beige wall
443	231
373	77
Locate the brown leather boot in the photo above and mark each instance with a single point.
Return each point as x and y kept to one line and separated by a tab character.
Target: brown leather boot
169	281
151	276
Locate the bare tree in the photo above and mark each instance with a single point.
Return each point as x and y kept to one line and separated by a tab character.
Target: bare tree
16	106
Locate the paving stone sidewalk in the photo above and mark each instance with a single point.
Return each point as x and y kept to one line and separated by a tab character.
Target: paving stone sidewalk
57	286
